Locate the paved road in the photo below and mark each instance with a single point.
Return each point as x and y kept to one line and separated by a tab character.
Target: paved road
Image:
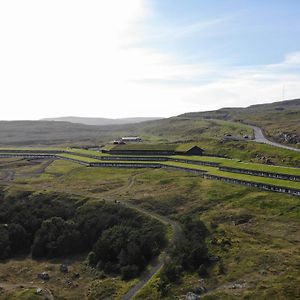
260	138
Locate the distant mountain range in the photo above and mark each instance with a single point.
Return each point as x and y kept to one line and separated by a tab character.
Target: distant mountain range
102	121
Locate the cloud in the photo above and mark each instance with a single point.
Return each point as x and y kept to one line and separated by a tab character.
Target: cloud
71	57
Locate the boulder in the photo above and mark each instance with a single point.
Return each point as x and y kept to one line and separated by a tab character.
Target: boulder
191	296
64	268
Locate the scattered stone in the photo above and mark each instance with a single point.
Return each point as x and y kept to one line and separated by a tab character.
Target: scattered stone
263	272
200	290
76	276
44	276
38	291
64	268
237	286
69	283
191	296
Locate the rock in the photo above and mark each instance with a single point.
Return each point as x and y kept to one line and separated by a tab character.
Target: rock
191	296
76	276
288	137
64	268
263	272
38	291
237	286
200	290
44	276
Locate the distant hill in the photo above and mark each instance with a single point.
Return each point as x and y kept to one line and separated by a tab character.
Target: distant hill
102	121
280	121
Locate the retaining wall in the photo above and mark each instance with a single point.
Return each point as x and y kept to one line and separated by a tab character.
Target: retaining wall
31	151
268	187
24	155
124	165
261	173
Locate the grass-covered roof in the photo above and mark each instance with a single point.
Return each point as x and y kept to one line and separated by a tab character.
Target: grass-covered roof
150	147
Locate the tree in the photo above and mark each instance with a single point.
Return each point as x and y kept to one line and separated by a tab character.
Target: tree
56	237
5	250
18	238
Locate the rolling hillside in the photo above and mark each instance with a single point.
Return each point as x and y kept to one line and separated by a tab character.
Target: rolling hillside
206	129
279	120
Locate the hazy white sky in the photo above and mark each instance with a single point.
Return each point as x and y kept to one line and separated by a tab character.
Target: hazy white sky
108	58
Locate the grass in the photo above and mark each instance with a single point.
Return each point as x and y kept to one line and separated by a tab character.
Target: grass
234	163
61	166
249	178
214	171
26	294
255	233
149	147
78	157
31	148
86	152
150	290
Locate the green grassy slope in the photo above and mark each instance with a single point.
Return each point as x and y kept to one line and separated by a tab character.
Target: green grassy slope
275	118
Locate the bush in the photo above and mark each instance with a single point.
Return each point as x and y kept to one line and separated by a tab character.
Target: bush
118	239
5	250
129	271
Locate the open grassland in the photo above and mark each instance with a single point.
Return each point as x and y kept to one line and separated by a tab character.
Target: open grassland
254	233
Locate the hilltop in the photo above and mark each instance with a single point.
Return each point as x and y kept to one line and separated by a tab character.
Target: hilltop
102	121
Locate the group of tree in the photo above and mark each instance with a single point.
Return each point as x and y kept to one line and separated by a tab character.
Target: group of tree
119	240
189	253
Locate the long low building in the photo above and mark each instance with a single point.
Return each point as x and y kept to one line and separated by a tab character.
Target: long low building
152	149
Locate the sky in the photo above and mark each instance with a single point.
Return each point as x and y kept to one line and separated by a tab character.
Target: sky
139	58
